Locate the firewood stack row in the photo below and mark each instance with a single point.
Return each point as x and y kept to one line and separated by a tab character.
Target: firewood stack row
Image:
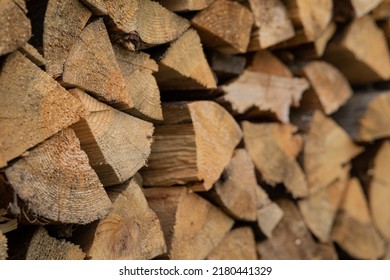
213	129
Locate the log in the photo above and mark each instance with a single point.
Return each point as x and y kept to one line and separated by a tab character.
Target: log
238	244
258	94
271	24
273	148
226	66
131	231
327	149
192	226
194	144
3	247
44	247
137	70
184	66
319	209
69	194
265	62
98	7
350	9
16	27
360	48
353	230
269	214
224	26
33	107
117	144
365	117
91	66
64	21
32	53
185	5
329	88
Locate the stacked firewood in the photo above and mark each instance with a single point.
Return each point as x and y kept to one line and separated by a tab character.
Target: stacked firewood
194	129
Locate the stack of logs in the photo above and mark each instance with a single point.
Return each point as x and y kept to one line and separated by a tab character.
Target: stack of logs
194	129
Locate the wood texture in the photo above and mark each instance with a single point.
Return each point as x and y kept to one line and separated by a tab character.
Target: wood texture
32	53
185	5
3	247
265	62
348	9
226	66
33	107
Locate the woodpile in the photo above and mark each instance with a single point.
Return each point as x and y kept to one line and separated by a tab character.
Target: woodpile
213	129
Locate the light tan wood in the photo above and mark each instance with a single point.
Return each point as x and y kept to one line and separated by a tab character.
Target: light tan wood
329	88
345	10
265	62
192	226
71	194
98	7
225	26
184	66
353	230
44	247
327	148
194	144
360	52
185	5
32	53
238	244
117	144
137	70
259	94
91	66
131	231
273	148
3	246
271	24
33	107
15	26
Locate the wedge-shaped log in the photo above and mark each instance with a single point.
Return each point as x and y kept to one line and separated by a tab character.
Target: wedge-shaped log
265	62
185	5
192	226
32	53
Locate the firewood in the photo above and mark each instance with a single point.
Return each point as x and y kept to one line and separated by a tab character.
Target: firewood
33	107
327	149
225	26
117	144
98	7
91	66
273	148
185	5
378	191
366	116
319	209
131	24
15	26
32	53
349	9
260	94
382	11
265	62
45	247
291	239
184	66
195	143
8	209
137	70
269	214
3	246
192	226
360	52
64	21
271	24
238	244
131	231
329	88
353	230
56	183
226	66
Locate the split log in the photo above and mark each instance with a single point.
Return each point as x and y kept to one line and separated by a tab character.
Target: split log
273	148
185	5
32	53
64	21
366	116
137	70
353	230
15	26
259	94
265	62
56	183
195	143
131	231
329	88
192	226
33	107
238	244
91	66
349	9
360	52
319	209
327	149
225	26
226	66
117	144
3	246
45	247
184	66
